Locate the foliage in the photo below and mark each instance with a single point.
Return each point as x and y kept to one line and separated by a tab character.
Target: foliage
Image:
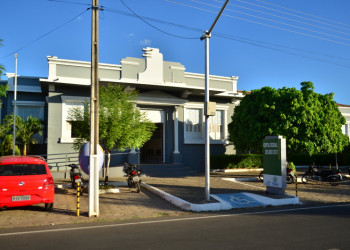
309	121
25	130
6	146
324	159
236	161
3	88
121	124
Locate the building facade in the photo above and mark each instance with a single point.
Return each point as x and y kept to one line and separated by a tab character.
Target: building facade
172	98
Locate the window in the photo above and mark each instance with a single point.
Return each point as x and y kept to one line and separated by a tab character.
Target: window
216	125
22	169
68	125
25	109
193	121
194	124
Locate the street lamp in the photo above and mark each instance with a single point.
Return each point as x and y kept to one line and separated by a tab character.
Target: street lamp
206	35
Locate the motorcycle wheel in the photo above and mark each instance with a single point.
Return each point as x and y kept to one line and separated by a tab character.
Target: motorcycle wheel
129	183
261	176
138	187
334	180
305	178
290	179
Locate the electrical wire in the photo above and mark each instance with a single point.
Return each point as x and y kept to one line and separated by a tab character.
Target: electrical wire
297	15
303	13
47	33
285	18
256	43
267	19
264	24
167	33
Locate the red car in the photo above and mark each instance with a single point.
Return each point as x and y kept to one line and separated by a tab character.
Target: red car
24	181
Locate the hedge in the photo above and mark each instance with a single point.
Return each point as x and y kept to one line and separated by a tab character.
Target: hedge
236	161
256	160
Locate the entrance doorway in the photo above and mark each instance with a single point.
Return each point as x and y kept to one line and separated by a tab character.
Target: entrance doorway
152	150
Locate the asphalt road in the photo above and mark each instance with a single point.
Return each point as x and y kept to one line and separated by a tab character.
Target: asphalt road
322	227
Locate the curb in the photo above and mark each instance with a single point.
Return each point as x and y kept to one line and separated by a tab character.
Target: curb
185	205
101	191
236	170
221	204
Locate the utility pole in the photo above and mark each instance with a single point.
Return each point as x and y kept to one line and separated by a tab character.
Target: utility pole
94	209
14	109
206	35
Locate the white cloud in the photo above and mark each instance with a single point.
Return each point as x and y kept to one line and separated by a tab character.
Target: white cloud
145	42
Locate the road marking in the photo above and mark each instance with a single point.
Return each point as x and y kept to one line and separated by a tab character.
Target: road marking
167	220
234	180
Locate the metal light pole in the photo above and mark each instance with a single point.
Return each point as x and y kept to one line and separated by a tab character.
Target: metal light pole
94	209
14	109
206	36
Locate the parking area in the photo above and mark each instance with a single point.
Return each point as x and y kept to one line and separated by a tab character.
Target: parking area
127	204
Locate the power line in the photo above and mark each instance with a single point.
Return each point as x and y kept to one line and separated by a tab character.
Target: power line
183	37
285	18
297	15
270	46
47	33
267	19
264	24
303	13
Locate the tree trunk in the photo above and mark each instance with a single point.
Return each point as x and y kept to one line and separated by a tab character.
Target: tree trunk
25	149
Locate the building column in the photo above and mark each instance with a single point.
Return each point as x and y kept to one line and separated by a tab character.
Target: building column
177	158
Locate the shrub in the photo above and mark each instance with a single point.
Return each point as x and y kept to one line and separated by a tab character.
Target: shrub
236	161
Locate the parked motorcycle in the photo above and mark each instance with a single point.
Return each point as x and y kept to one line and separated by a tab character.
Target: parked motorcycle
333	176
75	177
133	173
290	176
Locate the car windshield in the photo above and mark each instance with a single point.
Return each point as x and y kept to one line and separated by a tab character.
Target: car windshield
22	169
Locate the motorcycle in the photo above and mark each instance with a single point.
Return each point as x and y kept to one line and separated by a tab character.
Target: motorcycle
290	176
313	173
75	177
133	178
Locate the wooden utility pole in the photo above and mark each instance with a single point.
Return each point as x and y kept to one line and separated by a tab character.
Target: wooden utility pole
94	119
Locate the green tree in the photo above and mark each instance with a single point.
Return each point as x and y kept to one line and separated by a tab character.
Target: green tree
121	124
310	122
25	130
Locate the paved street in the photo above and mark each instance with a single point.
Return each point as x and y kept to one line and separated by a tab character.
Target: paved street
128	205
319	227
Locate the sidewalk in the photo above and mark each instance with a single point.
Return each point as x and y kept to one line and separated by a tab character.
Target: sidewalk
179	196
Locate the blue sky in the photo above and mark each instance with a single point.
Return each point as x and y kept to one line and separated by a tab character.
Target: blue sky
277	43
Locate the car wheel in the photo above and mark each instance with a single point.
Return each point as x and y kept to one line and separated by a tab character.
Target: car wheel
49	207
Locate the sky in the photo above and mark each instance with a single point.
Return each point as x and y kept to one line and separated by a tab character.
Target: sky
276	43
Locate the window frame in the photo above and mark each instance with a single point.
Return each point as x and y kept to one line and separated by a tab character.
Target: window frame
223	138
66	125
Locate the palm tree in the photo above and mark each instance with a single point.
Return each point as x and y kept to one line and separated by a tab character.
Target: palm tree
26	129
